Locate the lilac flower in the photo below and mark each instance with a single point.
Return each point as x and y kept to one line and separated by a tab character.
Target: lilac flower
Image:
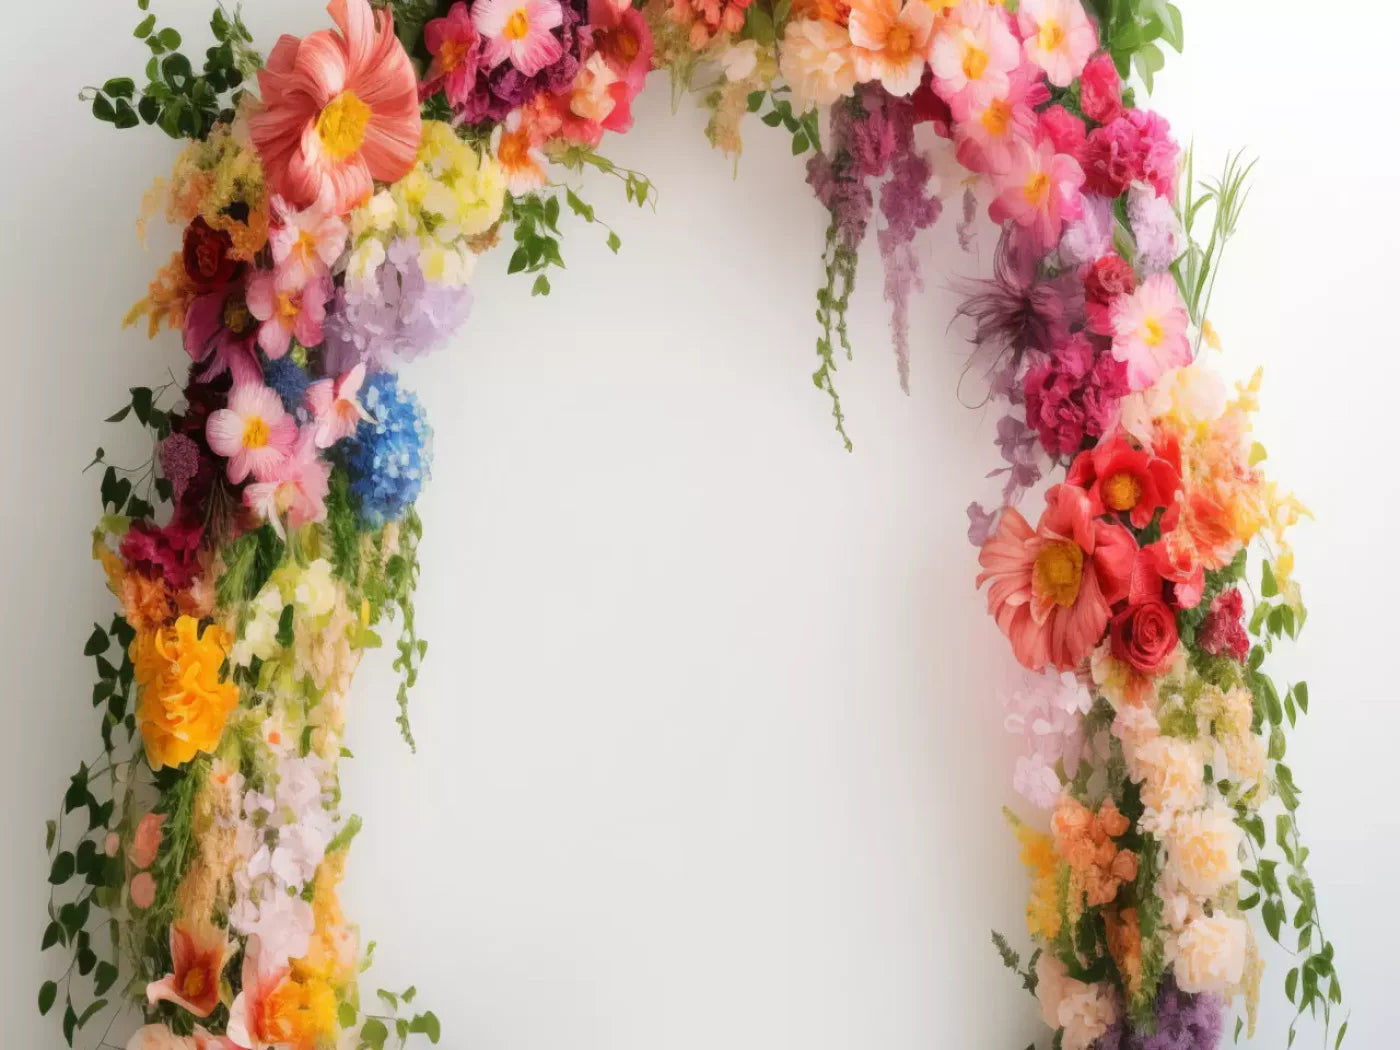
1015	310
1089	236
981	523
397	314
1047	712
1155	229
1184	1022
1017	442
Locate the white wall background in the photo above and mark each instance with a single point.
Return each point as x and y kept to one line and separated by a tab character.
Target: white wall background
710	752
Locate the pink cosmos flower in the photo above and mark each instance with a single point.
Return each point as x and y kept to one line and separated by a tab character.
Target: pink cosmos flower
339	110
988	124
199	958
456	49
254	433
1149	330
145	843
1053	587
519	31
1038	190
293	493
1059	37
890	42
335	406
288	311
305	244
974	50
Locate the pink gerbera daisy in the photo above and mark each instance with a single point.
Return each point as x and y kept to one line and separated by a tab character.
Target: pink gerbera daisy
254	433
339	110
520	31
1149	330
1037	189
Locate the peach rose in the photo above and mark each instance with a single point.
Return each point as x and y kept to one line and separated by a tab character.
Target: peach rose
1208	955
1202	850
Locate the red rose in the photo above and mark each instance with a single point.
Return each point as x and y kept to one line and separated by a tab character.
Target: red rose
1108	278
1100	90
206	254
1144	637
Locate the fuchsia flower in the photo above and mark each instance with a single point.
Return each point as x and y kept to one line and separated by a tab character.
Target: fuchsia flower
1100	90
1059	37
220	332
335	406
455	46
254	433
1038	190
305	244
519	31
294	490
339	110
1149	330
287	311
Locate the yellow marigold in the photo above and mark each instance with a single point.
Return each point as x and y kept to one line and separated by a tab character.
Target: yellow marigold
184	703
1038	855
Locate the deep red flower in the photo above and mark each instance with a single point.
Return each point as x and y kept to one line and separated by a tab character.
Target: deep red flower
1124	479
1144	637
207	258
1100	90
1222	632
1105	280
169	553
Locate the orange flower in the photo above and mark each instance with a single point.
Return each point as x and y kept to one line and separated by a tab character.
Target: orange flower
1125	945
1085	841
199	958
184	703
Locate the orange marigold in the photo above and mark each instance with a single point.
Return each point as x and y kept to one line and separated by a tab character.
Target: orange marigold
184	702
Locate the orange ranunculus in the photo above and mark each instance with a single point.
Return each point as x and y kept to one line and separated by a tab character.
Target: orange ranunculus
184	703
1085	840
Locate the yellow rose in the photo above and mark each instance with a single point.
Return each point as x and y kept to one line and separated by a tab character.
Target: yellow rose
184	703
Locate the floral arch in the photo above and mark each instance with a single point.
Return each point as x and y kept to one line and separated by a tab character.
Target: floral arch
333	200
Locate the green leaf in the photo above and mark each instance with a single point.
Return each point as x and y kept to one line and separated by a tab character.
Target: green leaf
285	634
1171	27
102	109
389	998
614	242
1268	585
53	933
346	1015
143	29
92	1009
1290	984
1300	693
119	87
169	39
48	992
63	867
50	833
104	977
96	643
373	1033
1341	1034
541	286
427	1024
755	101
799	144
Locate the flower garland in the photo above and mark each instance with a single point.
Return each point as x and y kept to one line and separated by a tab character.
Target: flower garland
331	222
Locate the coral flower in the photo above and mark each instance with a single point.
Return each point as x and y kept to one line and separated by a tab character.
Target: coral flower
1149	331
621	35
294	490
518	153
335	406
1122	479
305	244
254	432
1053	587
259	1018
519	31
1038	189
288	311
974	51
890	40
1059	37
145	843
456	49
339	110
184	703
199	958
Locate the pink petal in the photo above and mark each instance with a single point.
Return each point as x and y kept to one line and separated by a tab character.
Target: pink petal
224	432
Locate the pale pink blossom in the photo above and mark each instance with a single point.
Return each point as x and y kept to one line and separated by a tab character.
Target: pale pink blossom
254	433
288	310
1149	330
519	31
1047	711
974	50
305	243
292	493
1038	190
988	123
335	407
1059	37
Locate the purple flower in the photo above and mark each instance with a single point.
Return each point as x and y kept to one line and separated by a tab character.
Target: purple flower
500	89
1155	229
1184	1022
1015	310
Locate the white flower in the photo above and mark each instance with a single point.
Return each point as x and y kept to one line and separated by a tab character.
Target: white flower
375	215
1172	773
739	60
816	60
284	923
363	268
1208	955
259	637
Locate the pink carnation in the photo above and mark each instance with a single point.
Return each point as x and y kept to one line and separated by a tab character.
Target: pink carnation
1100	90
1073	394
1222	632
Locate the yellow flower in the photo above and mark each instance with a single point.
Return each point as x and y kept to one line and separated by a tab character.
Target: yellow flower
184	703
1038	855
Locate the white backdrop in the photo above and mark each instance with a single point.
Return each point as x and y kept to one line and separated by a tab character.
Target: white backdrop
710	751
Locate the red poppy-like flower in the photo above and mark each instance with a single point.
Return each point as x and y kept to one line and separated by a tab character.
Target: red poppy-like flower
1053	587
1123	479
1100	90
1144	637
207	258
1104	281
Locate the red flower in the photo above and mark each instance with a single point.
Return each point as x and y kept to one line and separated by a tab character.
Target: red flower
206	256
1222	632
1124	479
1104	281
1065	130
1178	564
1100	91
1144	637
1112	159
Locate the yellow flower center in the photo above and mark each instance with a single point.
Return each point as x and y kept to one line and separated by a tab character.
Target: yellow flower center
1121	492
974	63
996	118
452	54
1051	35
287	308
1059	569
1152	331
342	125
255	433
192	987
238	319
517	25
1037	189
899	42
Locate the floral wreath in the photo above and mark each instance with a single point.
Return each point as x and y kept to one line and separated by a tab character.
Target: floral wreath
332	219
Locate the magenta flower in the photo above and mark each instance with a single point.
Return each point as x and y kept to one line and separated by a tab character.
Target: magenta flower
1038	190
219	333
254	433
456	49
335	407
288	311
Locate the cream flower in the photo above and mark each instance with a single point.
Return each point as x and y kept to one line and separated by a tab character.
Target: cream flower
1083	1011
316	589
816	61
1172	774
1208	956
1202	850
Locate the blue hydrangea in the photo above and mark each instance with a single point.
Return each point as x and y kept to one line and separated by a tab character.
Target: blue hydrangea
388	460
288	379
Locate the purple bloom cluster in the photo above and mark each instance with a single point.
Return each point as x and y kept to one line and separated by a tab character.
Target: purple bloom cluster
401	315
1184	1022
500	90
